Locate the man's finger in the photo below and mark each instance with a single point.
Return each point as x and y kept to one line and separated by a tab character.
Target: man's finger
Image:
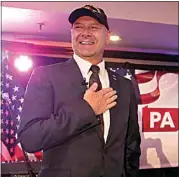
109	106
106	90
111	99
93	87
110	94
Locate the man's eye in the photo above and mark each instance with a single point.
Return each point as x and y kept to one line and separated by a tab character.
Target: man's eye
95	27
78	27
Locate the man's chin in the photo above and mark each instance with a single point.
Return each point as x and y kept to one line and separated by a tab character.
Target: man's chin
86	55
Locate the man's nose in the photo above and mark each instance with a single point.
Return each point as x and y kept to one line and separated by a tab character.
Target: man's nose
86	32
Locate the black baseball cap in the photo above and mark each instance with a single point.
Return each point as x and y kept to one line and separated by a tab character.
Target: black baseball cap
89	10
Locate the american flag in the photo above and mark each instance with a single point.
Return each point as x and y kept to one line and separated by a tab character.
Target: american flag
12	96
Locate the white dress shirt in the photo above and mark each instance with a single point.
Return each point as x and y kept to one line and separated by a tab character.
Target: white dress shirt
104	78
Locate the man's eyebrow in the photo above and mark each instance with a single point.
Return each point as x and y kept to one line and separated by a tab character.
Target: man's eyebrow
92	24
77	23
96	24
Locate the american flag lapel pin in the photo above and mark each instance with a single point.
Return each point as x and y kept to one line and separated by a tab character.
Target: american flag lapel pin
114	77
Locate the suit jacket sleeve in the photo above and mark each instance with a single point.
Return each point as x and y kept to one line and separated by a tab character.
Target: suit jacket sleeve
133	139
40	128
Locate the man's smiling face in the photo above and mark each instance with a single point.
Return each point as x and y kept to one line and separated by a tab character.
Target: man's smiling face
89	38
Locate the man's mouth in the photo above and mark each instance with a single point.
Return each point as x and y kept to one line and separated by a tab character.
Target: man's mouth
86	42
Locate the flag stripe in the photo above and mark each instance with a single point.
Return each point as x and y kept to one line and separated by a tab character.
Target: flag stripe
5	153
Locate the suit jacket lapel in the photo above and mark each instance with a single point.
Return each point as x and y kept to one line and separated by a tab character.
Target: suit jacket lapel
75	76
113	111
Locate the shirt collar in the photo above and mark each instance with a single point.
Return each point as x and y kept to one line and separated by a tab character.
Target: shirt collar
85	65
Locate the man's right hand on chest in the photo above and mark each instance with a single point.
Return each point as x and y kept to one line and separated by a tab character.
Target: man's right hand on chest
102	100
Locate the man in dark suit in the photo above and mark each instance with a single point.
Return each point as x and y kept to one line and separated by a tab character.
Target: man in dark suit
83	116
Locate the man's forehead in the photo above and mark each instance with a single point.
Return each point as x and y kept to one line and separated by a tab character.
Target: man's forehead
87	19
